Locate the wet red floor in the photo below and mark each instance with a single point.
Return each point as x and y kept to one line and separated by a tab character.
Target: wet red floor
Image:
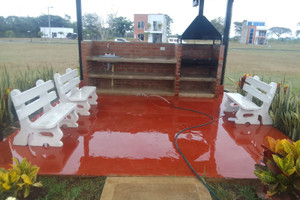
134	136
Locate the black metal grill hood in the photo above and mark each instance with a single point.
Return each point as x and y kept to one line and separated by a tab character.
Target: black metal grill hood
201	29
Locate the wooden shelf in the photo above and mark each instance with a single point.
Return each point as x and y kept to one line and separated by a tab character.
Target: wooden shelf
148	76
198	94
135	91
195	61
132	75
198	79
132	60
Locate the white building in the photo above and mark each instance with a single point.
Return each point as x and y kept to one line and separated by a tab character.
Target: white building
150	28
55	32
254	32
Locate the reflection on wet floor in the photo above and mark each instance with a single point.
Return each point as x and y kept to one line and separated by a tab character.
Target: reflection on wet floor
134	135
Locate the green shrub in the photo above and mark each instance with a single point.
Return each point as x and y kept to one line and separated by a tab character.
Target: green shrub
19	179
280	169
5	88
22	80
285	112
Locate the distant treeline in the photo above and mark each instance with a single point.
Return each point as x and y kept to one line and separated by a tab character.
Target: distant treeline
13	26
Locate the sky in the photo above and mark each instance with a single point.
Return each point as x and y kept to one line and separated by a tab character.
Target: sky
282	13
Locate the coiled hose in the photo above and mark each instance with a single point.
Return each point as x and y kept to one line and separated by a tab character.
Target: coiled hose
188	128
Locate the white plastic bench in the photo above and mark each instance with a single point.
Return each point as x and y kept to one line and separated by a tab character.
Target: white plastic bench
46	127
247	110
67	87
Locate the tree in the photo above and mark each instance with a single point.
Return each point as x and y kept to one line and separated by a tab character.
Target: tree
238	27
21	26
298	31
278	31
91	24
120	25
219	24
3	26
9	34
169	22
67	18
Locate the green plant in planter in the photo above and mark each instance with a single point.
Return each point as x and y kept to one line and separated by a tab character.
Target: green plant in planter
23	80
285	112
19	178
280	169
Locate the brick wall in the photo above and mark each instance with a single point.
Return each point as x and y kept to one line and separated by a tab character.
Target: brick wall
178	56
136	30
134	49
219	89
86	50
151	50
204	51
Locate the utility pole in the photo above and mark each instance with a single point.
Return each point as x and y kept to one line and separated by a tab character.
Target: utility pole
49	24
79	30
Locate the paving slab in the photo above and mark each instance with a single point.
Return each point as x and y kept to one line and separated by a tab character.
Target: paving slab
154	188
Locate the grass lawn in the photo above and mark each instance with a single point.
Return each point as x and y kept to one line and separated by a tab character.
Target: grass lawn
90	188
275	62
58	54
65	188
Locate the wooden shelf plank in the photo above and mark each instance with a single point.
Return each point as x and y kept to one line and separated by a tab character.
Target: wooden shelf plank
131	76
198	79
196	94
135	91
132	60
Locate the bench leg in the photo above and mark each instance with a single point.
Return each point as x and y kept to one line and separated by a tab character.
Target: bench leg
70	120
229	106
53	141
83	108
265	118
22	137
93	98
242	117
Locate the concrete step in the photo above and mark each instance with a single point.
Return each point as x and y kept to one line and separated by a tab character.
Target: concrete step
154	188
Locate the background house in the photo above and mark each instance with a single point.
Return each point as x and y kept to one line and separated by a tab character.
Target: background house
150	28
55	32
254	32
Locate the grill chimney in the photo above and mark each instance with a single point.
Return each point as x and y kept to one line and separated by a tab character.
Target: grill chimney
201	7
201	28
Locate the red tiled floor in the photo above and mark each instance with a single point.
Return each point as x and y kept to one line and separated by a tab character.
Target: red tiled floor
134	136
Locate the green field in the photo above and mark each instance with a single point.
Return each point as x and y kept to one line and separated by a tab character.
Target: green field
59	54
274	62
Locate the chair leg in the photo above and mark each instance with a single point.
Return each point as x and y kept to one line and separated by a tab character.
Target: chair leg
83	108
229	106
93	99
242	119
266	119
70	120
22	137
53	141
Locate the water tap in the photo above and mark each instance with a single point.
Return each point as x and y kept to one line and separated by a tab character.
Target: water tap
108	48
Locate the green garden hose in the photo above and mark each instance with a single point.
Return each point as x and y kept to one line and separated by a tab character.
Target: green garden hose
183	130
